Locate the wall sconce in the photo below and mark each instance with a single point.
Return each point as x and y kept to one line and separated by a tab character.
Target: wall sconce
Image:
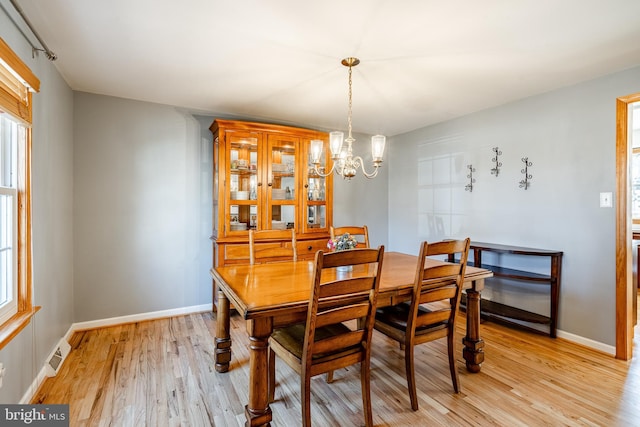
525	183
469	186
496	170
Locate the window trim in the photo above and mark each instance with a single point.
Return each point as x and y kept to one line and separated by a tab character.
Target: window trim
634	150
634	135
11	103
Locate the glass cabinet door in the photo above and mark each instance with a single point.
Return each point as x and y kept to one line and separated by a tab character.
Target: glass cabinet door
282	190
315	196
242	183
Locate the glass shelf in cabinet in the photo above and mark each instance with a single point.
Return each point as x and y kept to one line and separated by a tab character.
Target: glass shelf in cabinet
243	171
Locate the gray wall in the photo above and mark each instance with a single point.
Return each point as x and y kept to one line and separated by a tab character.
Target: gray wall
142	176
569	135
142	205
52	185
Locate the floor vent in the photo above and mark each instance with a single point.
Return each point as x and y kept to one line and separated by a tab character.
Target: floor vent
57	357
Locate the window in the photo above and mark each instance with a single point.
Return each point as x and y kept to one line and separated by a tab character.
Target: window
8	218
16	85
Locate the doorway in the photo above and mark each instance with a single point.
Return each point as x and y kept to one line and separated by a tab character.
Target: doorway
626	292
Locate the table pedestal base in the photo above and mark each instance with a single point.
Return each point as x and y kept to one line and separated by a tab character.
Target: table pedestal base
260	419
473	353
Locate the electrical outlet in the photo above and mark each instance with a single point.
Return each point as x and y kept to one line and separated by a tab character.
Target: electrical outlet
606	200
1	373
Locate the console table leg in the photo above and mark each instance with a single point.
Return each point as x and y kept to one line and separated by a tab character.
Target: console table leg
473	351
555	293
223	338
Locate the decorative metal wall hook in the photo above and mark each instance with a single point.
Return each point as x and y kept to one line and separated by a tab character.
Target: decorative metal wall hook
525	183
496	170
469	186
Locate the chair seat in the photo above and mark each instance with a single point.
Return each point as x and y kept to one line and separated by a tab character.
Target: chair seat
292	337
397	316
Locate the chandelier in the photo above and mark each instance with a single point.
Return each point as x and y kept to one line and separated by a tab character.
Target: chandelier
345	164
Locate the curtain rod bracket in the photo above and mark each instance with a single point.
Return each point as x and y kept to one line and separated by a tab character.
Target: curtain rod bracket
48	52
51	56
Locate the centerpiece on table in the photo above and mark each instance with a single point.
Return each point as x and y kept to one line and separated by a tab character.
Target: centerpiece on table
344	242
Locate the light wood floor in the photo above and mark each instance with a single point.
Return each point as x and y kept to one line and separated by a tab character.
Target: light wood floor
160	373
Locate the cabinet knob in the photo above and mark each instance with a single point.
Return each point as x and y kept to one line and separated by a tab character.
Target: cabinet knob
306	186
309	247
259	184
270	184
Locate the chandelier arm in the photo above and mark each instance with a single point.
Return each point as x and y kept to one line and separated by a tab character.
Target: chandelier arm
316	169
359	162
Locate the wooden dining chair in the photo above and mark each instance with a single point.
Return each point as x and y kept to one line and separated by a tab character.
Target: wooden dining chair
325	342
272	246
431	313
360	233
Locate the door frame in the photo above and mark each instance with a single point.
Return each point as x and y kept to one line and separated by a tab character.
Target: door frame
624	255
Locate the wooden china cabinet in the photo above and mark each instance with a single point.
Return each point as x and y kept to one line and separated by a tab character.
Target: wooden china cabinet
263	179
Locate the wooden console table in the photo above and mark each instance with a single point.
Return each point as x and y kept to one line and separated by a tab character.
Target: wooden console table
504	313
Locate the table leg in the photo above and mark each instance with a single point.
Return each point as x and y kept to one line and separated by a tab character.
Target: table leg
223	338
258	412
473	351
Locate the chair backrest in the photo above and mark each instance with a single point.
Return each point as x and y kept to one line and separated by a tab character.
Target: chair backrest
439	283
272	246
360	233
340	297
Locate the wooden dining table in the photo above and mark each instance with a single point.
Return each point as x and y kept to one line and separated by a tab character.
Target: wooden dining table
268	296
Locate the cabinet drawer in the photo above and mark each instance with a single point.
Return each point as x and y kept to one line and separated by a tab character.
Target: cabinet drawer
236	252
307	248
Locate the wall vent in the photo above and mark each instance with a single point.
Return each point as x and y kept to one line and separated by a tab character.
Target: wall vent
56	358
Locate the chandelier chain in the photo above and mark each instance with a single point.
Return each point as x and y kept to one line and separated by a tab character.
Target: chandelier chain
350	101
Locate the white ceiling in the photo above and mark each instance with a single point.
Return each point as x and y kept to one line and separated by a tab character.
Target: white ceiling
422	61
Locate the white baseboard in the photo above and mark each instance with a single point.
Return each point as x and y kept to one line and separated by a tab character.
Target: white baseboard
94	324
596	345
